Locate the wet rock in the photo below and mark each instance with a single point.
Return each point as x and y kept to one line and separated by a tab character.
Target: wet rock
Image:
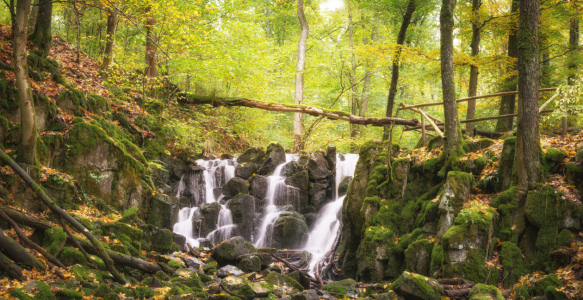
301	278
245	170
290	231
317	193
418	256
179	240
225	156
301	182
158	239
250	263
291	168
274	156
417	287
234	187
318	166
228	251
282	282
266	259
343	186
310	218
193	263
243	211
209	215
229	270
259	185
456	192
331	157
253	155
346	287
161	210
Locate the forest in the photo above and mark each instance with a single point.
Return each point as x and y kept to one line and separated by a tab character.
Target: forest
293	149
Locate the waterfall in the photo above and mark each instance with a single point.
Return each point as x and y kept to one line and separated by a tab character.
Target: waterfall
184	226
326	228
217	172
225	226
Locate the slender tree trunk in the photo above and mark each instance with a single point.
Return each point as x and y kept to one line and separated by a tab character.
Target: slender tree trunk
17	253
475	45
527	157
78	27
369	72
573	44
42	36
507	103
352	78
411	6
28	135
33	16
452	133
299	84
112	20
151	48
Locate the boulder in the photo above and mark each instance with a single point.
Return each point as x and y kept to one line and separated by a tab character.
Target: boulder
317	193
310	218
250	263
418	256
259	185
417	287
301	278
343	186
290	231
482	291
346	287
435	143
291	168
274	156
193	263
209	215
234	187
191	188
276	280
300	181
253	155
245	170
158	239
400	175
456	192
229	270
243	211
473	146
318	166
230	250
554	159
331	157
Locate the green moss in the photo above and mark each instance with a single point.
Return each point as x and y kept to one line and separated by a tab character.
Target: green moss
84	273
436	259
129	214
276	279
341	288
565	238
97	103
513	264
546	241
54	240
434	143
134	151
187	278
8	96
19	294
44	292
540	287
485	292
477	145
174	264
70	256
68	294
423	287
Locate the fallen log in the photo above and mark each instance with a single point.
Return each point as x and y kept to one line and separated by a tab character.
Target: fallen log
191	99
17	253
9	267
194	252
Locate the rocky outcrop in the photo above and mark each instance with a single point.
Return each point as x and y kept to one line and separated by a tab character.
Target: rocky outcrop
290	231
274	156
456	192
234	187
243	210
209	214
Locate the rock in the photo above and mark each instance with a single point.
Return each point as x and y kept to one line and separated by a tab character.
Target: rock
574	175
400	175
161	210
253	155
317	193
553	159
261	289
456	192
234	187
250	263
291	168
305	258
331	157
318	167
209	214
290	231
243	211
259	185
300	181
346	287
266	259
245	170
513	264
343	186
485	292
225	156
284	282
301	278
474	146
417	287
159	240
391	295
228	251
435	143
229	270
274	156
418	256
193	263
506	163
310	218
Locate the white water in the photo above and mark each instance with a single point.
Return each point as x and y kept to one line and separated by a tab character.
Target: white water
184	226
225	226
326	228
213	177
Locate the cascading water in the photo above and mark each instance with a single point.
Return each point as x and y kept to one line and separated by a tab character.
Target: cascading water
225	226
217	173
326	228
184	227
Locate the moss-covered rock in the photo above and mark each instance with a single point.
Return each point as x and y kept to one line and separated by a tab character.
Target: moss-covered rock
230	250
342	288
71	256
84	273
129	215
54	240
473	146
456	192
574	175
289	231
276	280
66	294
417	287
485	292
565	238
418	257
513	263
506	163
554	158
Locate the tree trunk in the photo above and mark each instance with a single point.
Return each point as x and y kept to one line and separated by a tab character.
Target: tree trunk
507	103
33	16
42	36
527	157
352	77
17	253
27	143
475	45
573	44
151	48
112	20
397	60
369	70
9	267
453	145
299	84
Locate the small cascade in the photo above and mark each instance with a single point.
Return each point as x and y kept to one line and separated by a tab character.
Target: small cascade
217	172
225	226
183	226
325	230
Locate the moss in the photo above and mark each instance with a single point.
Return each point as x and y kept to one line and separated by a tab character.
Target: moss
546	241
44	292
84	273
341	288
84	136
204	278
187	278
129	214
477	145
565	238
71	256
134	151
485	292
19	294
8	96
434	143
54	240
540	287
436	262
423	287
66	294
174	264
138	292
276	279
414	260
97	103
513	264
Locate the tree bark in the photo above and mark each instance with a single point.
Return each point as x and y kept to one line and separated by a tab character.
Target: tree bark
151	48
573	44
310	110
42	36
475	45
112	20
507	103
299	84
33	16
453	133
27	144
527	157
19	254
411	6
352	78
10	268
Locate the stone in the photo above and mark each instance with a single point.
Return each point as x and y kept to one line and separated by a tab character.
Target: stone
291	168
193	263
158	239
301	278
418	256
301	182
435	143
259	185
506	163
417	287
284	282
400	176
318	166
346	287
266	259
243	212
343	186
229	270
554	158
234	187
274	156
331	157
307	295
253	155
228	251
456	192
482	291
290	231
261	289
310	218
209	215
250	263
245	170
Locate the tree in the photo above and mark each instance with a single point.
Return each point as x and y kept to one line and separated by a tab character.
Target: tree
507	103
42	36
475	46
27	143
453	143
33	16
411	6
151	47
112	20
527	155
299	84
